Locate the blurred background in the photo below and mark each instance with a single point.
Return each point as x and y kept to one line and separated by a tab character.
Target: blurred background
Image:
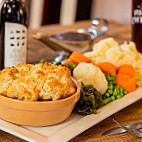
65	12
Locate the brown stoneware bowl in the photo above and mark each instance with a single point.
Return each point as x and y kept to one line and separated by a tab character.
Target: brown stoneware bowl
38	113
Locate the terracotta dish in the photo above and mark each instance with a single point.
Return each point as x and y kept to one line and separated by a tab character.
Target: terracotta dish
38	113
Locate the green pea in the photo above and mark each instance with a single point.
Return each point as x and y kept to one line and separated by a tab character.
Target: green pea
107	94
105	101
73	65
111	82
118	96
43	61
117	87
121	89
107	75
112	75
110	91
114	81
125	92
121	94
110	86
115	92
109	99
111	78
112	98
118	92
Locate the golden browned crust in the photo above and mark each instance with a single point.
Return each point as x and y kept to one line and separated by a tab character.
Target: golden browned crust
32	82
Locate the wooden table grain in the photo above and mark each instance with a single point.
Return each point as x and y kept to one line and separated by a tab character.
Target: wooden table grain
131	114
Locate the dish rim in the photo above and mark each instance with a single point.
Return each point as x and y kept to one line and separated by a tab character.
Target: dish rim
45	105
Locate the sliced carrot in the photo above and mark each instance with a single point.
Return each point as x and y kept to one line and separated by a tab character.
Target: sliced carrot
126	69
126	81
107	67
77	58
68	61
126	77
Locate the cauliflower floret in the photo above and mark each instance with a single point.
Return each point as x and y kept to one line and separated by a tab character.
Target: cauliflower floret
90	74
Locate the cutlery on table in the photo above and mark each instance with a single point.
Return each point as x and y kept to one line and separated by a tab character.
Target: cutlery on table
134	129
119	130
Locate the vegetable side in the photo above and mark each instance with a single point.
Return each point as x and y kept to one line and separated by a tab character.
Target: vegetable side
91	99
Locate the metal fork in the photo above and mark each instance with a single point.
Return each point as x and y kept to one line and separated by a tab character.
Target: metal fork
134	132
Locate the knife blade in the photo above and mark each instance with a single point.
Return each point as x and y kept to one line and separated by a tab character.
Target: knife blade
119	130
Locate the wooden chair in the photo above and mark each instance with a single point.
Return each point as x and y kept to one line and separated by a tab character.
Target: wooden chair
100	8
68	7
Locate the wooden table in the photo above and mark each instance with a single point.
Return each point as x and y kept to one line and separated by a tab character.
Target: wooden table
131	114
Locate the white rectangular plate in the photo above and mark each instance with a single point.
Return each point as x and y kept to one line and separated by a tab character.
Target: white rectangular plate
73	126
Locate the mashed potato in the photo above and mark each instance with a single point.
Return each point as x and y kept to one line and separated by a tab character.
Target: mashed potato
109	50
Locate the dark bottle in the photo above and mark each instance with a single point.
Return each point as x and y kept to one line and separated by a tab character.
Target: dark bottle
13	33
137	23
